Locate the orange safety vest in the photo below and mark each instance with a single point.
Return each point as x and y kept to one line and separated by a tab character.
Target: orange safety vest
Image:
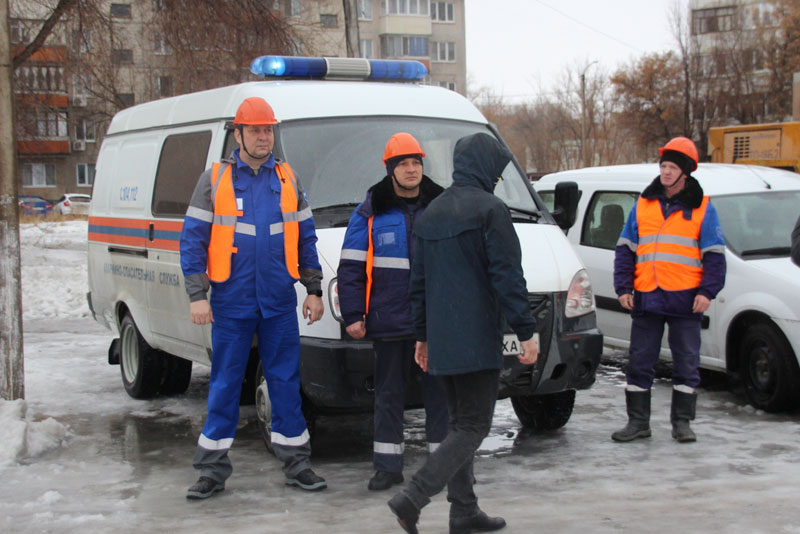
220	246
668	255
370	262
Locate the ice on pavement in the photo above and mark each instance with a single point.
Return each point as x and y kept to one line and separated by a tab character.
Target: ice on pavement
79	455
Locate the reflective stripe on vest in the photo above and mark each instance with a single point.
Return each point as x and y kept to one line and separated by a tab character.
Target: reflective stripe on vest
370	261
668	255
225	222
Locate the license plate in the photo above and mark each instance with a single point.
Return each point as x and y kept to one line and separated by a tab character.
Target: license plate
511	346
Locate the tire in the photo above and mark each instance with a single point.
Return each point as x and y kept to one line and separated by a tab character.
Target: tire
769	369
544	412
263	408
177	374
140	365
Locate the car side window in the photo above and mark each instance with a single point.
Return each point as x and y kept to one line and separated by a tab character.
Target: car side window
605	218
182	161
549	198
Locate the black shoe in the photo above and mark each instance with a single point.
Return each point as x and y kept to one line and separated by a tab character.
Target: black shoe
407	514
204	488
477	523
383	480
307	480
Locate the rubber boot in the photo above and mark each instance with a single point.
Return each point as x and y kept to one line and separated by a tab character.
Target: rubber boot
638	403
683	410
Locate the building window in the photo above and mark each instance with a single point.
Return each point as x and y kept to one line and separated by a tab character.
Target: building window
713	20
81	85
38	175
41	123
85	130
81	41
404	7
447	85
122	56
160	45
163	86
365	47
121	11
328	21
23	31
442	12
124	100
159	5
365	10
443	51
85	174
403	46
290	8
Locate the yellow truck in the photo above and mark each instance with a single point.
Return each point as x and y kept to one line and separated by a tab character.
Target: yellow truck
772	145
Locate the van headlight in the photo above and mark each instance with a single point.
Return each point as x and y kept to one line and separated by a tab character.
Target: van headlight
333	300
580	297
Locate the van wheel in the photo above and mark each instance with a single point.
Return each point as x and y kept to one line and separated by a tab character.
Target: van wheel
139	363
263	408
177	374
769	369
544	412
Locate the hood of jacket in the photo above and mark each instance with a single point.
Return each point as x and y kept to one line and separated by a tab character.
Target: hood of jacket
478	160
381	196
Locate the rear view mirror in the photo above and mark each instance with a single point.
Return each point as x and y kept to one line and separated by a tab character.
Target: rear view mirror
565	204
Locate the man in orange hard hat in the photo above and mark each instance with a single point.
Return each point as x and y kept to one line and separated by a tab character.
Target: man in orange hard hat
669	264
249	235
373	297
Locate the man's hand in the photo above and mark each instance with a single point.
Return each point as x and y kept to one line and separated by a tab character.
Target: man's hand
530	351
357	330
313	308
627	301
421	355
200	312
701	304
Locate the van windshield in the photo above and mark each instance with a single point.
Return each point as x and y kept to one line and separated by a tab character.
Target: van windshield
337	160
758	225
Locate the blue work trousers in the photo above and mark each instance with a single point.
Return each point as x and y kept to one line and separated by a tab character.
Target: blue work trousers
394	367
279	349
683	336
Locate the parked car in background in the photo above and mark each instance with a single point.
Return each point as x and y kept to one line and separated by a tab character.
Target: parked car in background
34	206
73	204
752	329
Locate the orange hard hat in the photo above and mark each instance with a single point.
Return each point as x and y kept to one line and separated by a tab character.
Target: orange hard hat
402	144
684	145
255	111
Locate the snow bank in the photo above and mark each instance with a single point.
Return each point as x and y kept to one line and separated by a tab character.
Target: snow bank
54	273
23	438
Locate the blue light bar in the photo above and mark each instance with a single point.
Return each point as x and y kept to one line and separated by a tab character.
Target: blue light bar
338	68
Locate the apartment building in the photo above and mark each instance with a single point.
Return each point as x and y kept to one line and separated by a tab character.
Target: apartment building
96	63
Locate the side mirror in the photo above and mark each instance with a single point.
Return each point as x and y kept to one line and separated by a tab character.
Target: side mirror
565	204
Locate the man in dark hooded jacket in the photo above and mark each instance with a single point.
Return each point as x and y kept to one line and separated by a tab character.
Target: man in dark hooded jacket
466	275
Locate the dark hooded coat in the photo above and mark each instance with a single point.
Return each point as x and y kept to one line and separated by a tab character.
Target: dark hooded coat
467	273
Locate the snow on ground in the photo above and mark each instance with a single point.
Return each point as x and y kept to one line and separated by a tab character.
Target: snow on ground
79	455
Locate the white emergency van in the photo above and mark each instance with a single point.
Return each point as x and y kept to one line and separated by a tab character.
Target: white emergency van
333	134
752	329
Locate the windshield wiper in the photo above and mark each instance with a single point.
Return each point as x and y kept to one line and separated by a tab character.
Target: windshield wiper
530	215
771	251
336	206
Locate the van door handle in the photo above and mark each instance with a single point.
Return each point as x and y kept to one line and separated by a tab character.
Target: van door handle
151	235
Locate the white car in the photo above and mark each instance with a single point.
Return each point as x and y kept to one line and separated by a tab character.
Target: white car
752	329
73	204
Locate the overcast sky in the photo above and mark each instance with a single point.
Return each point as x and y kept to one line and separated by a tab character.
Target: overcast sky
517	47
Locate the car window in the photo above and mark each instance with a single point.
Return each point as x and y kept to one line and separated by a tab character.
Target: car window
80	199
605	218
182	161
758	225
549	198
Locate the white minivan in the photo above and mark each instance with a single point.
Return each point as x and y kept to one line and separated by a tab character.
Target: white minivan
333	133
752	329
